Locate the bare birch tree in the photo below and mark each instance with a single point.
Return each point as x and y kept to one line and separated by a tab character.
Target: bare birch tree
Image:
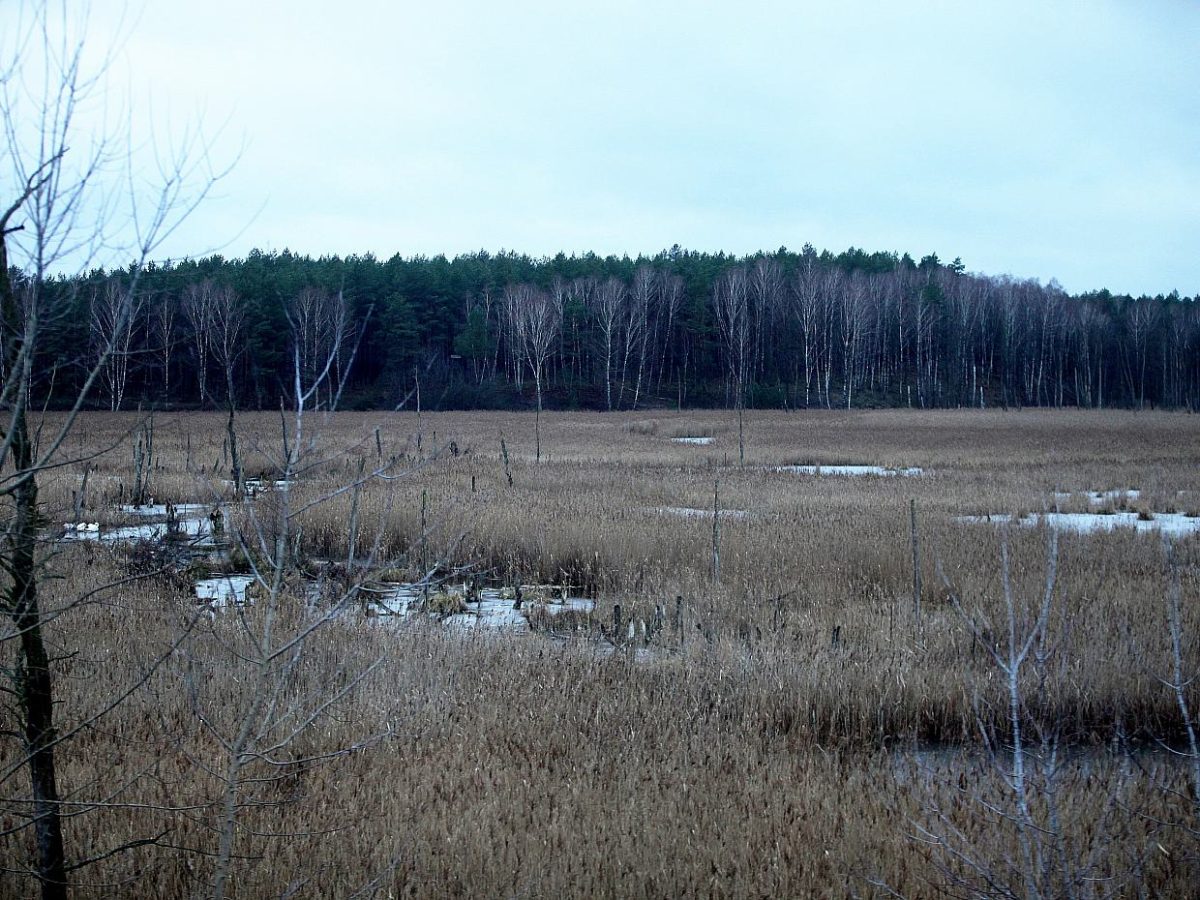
534	321
766	285
806	304
321	330
112	336
1141	318
608	302
198	301
225	340
670	298
642	297
854	313
162	325
732	307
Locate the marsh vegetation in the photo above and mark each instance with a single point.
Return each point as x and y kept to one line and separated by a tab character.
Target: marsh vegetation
808	717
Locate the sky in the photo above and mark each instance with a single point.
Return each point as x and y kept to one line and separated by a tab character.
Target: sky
1039	139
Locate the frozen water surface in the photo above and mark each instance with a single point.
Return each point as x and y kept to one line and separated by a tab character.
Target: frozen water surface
852	471
1096	497
159	510
187	528
494	608
193	522
1171	524
691	512
221	590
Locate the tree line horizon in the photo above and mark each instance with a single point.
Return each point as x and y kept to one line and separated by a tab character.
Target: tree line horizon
787	329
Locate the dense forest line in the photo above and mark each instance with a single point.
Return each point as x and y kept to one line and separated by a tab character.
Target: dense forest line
786	329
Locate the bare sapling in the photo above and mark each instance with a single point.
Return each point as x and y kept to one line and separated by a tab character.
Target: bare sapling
1179	683
1028	763
534	320
916	563
716	532
732	307
292	687
64	197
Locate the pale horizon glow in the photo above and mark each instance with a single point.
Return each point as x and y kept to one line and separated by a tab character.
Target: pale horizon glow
1042	140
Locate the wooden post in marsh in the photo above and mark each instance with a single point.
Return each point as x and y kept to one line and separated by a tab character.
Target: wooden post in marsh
741	433
504	456
425	544
417	388
81	503
916	557
679	618
716	547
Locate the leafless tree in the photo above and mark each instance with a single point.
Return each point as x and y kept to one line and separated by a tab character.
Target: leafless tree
1026	761
608	301
855	308
113	327
639	300
198	303
732	307
806	300
766	284
534	319
162	324
670	294
225	340
270	637
1141	318
578	342
321	333
58	204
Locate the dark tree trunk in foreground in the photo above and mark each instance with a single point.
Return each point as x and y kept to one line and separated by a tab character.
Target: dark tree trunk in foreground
33	680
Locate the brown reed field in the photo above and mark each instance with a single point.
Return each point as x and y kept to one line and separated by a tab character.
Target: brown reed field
780	724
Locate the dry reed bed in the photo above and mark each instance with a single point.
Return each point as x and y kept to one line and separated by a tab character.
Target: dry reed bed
520	767
544	768
815	555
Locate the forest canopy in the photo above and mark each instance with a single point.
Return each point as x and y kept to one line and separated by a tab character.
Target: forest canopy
789	329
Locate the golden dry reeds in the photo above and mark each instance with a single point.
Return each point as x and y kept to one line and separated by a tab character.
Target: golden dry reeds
763	745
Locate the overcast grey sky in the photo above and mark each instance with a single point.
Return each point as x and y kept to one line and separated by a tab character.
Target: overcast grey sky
1042	139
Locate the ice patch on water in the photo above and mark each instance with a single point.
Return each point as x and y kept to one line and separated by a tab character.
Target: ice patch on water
257	485
852	471
492	608
691	512
1098	497
193	522
126	534
159	510
222	590
1170	524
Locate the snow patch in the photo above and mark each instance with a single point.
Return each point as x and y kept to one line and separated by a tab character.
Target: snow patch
223	590
691	512
1170	524
1098	497
852	471
494	608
